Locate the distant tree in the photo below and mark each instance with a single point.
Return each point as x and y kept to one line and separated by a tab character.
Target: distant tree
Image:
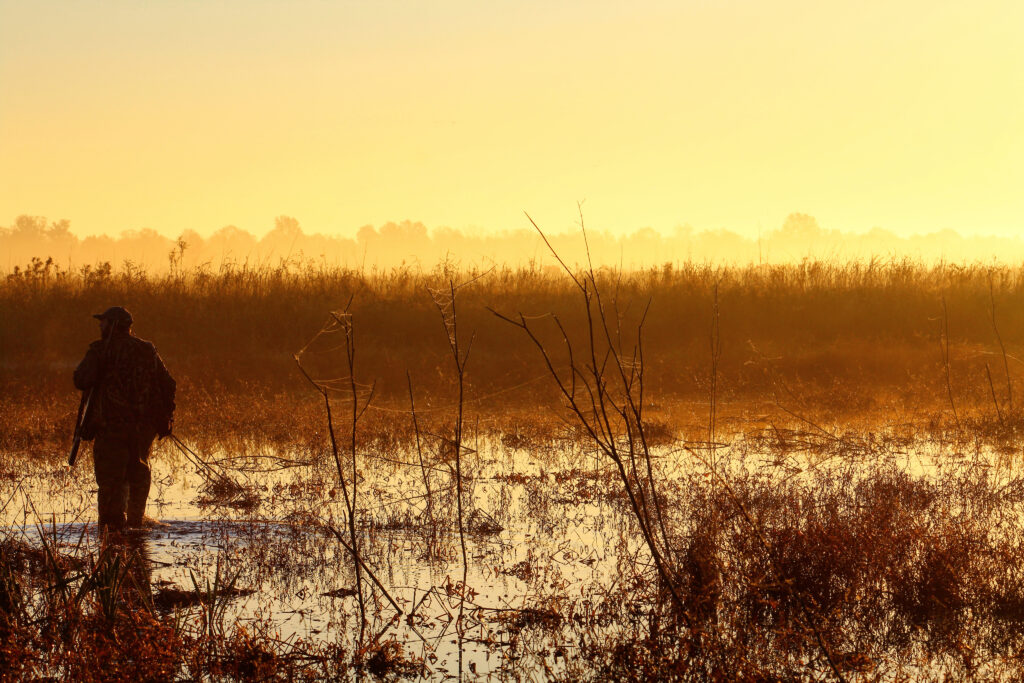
800	226
286	227
30	227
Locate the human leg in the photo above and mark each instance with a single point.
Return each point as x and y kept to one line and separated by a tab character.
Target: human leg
110	460
139	477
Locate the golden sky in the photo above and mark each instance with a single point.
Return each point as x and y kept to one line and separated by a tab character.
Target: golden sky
190	114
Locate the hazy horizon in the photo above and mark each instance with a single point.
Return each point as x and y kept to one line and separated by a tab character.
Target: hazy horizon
392	244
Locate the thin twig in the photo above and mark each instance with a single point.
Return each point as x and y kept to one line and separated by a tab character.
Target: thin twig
999	338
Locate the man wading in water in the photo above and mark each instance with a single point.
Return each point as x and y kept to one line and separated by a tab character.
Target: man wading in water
132	403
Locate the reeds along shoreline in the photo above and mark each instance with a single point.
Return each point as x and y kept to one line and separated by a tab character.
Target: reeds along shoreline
857	336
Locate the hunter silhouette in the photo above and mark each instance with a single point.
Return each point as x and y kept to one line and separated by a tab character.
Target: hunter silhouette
133	403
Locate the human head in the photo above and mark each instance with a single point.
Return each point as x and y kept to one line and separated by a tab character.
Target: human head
114	318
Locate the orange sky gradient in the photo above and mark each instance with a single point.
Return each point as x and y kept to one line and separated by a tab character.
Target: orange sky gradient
904	115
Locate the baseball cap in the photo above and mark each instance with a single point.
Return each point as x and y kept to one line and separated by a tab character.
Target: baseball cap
115	314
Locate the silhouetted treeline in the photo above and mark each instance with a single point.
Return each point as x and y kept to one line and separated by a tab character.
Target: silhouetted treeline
411	243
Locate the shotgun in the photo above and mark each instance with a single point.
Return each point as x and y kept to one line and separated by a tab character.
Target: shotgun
86	404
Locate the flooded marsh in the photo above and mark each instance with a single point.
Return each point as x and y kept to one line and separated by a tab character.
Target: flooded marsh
904	558
562	496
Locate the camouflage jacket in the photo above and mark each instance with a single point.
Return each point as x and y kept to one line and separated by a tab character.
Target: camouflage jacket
132	384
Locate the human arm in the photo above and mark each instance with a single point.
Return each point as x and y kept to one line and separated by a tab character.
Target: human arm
88	371
165	391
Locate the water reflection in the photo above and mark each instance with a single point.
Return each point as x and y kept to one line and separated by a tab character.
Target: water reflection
558	567
137	554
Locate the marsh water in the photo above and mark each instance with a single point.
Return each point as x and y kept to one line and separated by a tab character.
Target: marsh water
551	548
269	536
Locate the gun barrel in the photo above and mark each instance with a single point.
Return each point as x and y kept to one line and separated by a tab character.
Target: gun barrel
83	412
74	451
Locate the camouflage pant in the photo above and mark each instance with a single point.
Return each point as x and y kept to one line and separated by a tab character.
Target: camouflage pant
121	462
